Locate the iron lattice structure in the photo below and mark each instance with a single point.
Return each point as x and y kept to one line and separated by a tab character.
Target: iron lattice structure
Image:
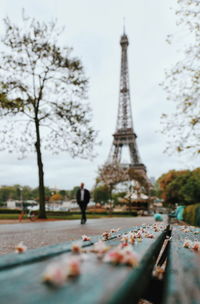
124	133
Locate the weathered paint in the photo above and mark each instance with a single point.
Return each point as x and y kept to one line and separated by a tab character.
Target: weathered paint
21	282
182	284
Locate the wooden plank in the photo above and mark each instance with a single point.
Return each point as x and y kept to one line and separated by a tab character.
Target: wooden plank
182	284
35	255
96	284
135	284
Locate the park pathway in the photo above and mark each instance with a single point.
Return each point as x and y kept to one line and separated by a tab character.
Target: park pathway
38	234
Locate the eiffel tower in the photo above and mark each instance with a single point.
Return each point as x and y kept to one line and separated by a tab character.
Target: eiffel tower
124	133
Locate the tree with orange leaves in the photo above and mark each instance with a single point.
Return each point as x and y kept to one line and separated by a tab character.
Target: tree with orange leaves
182	187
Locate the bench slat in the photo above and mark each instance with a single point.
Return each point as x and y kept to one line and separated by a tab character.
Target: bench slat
183	271
96	284
136	283
34	255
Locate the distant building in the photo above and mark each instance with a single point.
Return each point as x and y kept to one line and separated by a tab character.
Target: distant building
16	204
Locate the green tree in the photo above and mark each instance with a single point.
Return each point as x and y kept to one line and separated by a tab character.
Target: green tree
165	179
176	189
5	193
116	196
182	85
155	190
46	90
63	193
72	194
180	186
191	189
101	194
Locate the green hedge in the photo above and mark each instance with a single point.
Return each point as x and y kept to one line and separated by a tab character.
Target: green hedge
64	213
192	214
9	211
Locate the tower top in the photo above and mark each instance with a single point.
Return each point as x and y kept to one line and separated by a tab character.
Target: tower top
124	25
124	39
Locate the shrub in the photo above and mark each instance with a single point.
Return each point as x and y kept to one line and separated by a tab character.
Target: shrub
9	211
192	214
197	218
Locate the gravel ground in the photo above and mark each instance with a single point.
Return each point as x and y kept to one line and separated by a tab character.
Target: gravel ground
38	234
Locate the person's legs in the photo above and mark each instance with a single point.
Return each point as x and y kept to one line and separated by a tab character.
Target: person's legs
83	213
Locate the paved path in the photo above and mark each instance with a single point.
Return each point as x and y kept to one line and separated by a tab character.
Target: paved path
38	234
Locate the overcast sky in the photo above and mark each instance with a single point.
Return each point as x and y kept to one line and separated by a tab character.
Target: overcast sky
93	28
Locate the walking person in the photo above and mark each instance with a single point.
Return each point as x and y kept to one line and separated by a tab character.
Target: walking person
83	198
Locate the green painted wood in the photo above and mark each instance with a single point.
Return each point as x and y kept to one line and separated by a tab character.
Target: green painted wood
35	255
96	284
182	284
135	284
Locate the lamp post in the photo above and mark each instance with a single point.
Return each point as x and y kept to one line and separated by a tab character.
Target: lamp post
21	197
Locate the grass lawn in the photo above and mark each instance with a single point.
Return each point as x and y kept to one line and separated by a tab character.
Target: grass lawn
13	216
9	216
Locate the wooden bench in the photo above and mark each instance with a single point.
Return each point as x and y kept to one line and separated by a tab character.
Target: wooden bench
182	279
20	275
99	282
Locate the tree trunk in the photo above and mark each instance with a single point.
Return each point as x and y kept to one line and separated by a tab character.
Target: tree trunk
110	194
42	212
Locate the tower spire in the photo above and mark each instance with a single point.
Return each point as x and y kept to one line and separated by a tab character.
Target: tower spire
124	133
124	25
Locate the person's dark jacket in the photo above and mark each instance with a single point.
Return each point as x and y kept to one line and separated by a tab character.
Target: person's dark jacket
86	196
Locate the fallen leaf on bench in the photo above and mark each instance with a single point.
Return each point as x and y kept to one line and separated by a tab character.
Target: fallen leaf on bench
122	245
76	247
131	238
106	235
139	234
73	267
85	238
196	246
130	257
115	256
56	274
185	229
20	248
158	272
149	235
100	248
125	239
187	244
122	255
114	230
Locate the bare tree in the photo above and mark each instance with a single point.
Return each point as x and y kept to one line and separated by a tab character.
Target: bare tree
42	95
142	183
182	85
111	174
